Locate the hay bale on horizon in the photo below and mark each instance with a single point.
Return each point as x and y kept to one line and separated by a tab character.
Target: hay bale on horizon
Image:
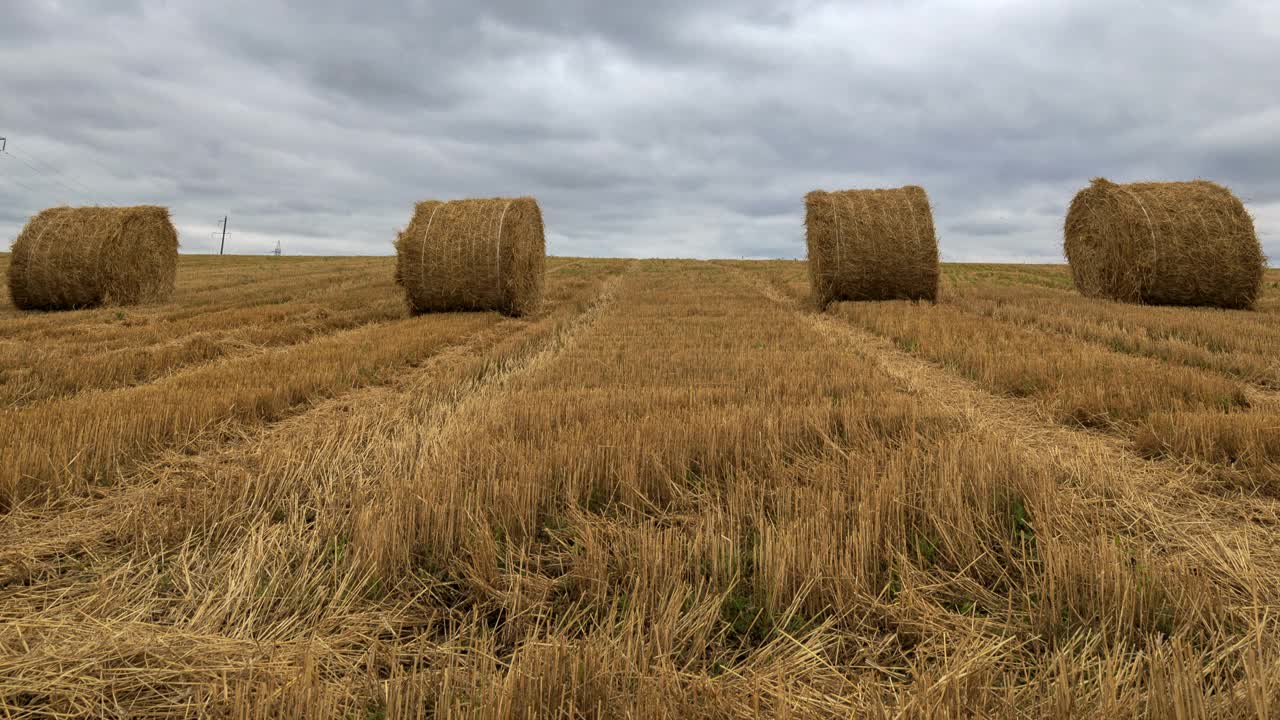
1164	243
871	245
67	258
477	254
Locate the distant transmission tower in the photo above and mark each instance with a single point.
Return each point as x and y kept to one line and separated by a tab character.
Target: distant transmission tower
276	252
222	240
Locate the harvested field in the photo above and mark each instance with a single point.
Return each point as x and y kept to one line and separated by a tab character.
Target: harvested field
675	490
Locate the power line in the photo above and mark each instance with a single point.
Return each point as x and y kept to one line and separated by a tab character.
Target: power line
49	172
20	183
53	176
54	172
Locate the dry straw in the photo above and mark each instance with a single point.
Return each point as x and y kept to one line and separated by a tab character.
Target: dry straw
473	255
69	258
1169	243
871	245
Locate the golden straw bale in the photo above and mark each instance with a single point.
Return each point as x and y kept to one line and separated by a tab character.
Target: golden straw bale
68	258
1164	243
871	245
480	254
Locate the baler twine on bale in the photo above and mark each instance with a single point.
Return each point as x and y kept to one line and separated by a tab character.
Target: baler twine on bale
1147	215
37	246
422	256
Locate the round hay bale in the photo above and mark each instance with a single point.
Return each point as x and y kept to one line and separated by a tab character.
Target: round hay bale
68	258
871	245
1164	243
485	254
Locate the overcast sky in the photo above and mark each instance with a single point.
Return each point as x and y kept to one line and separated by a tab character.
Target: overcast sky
658	128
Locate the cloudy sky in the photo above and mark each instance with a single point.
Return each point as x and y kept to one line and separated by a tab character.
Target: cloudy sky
661	128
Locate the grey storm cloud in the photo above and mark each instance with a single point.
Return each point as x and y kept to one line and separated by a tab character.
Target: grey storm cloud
664	128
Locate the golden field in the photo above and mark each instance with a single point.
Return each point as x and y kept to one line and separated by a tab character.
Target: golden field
676	491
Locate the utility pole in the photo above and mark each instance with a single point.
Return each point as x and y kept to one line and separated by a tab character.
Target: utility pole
223	244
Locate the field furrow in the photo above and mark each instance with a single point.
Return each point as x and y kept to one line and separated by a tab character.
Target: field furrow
1164	409
78	422
67	446
30	373
326	441
1239	344
259	287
